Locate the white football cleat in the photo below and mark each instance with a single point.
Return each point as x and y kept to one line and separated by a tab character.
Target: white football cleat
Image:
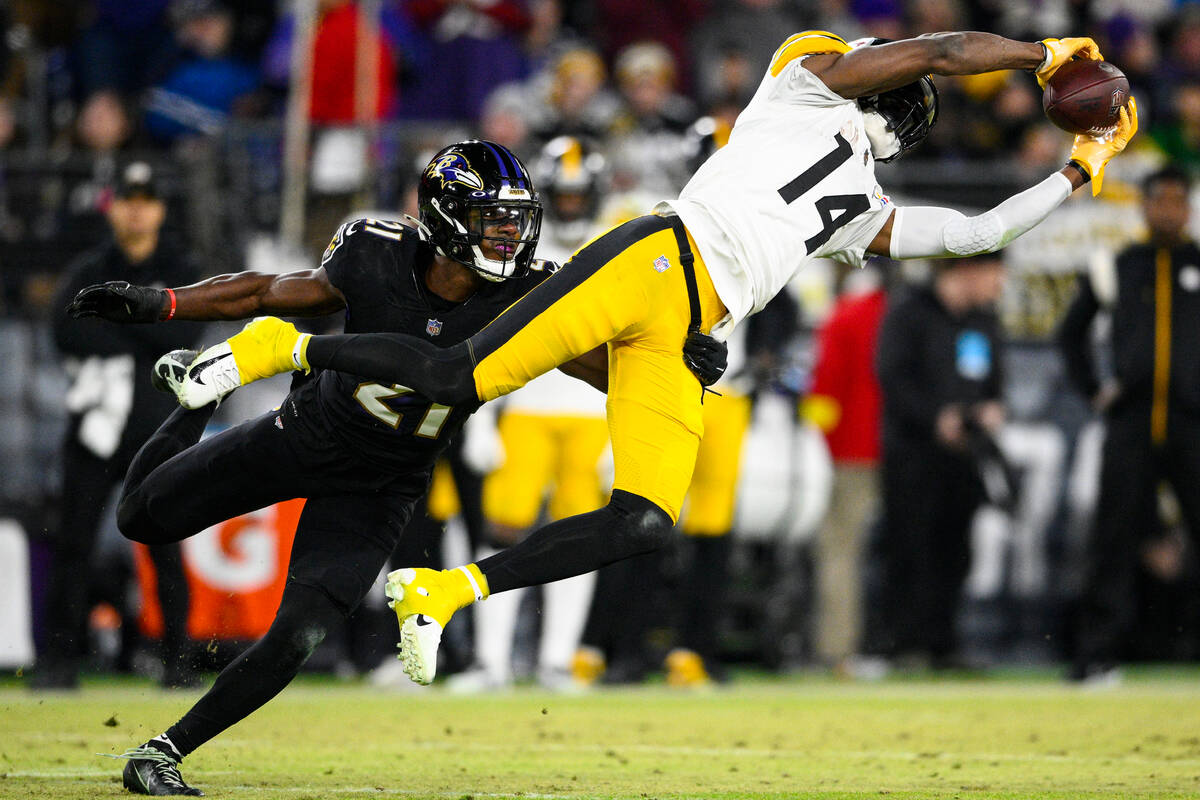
207	378
413	592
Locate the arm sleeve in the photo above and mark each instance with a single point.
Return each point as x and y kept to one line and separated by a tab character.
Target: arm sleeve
933	232
1074	342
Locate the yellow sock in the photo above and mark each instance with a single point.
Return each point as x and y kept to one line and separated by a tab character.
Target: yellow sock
467	585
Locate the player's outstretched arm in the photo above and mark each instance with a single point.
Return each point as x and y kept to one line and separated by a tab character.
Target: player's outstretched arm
304	293
934	232
236	296
866	71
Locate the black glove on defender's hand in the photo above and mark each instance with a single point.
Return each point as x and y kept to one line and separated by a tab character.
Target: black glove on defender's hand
705	356
118	301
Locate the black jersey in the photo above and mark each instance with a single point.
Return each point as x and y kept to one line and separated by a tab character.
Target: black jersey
379	267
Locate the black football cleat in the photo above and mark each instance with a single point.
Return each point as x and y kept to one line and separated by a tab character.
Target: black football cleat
151	771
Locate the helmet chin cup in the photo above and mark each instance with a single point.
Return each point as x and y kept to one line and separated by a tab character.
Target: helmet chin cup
885	146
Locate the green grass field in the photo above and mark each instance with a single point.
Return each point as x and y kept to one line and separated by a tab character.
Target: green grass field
1012	736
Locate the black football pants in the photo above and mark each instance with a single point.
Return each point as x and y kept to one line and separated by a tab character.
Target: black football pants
929	498
178	487
1126	516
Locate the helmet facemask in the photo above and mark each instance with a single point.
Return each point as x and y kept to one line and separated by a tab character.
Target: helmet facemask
478	207
898	120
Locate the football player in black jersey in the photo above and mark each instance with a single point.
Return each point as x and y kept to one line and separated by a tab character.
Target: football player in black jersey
361	452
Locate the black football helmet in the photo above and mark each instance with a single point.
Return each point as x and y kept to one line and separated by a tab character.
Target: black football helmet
470	187
907	113
571	173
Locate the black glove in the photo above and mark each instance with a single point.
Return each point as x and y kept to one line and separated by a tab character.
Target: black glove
705	356
118	301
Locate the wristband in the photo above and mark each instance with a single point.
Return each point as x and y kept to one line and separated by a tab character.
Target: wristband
1079	167
171	297
1045	57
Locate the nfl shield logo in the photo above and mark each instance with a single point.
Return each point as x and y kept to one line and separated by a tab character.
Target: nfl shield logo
661	264
433	327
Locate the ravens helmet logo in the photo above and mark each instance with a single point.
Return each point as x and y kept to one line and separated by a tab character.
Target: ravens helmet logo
453	168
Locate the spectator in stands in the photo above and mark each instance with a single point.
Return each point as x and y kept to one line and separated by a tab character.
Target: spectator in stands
126	48
505	118
1183	56
474	46
570	98
620	23
113	410
1179	137
938	361
647	136
52	211
844	402
733	47
335	61
206	86
1151	407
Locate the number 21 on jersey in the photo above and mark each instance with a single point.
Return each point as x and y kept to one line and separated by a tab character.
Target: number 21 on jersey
373	398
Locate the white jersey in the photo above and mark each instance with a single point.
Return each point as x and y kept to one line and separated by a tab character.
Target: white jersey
555	393
796	182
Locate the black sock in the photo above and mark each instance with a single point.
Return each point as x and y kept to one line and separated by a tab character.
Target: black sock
627	526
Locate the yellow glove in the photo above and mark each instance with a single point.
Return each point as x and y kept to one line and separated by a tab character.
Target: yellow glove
268	346
1060	51
1094	152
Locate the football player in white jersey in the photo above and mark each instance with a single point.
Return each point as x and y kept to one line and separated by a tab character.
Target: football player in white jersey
795	182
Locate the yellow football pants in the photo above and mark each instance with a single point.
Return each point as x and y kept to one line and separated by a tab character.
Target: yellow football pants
626	288
442	502
542	452
712	497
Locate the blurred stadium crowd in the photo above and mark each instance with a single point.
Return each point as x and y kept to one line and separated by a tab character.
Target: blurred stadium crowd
631	96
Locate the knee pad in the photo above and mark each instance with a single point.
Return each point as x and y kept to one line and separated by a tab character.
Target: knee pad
641	525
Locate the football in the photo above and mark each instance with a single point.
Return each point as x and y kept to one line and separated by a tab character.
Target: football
1085	96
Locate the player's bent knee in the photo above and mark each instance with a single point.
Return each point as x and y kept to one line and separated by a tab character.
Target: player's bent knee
134	522
643	526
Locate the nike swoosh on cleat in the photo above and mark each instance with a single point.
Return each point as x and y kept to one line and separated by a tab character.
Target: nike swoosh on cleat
194	372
